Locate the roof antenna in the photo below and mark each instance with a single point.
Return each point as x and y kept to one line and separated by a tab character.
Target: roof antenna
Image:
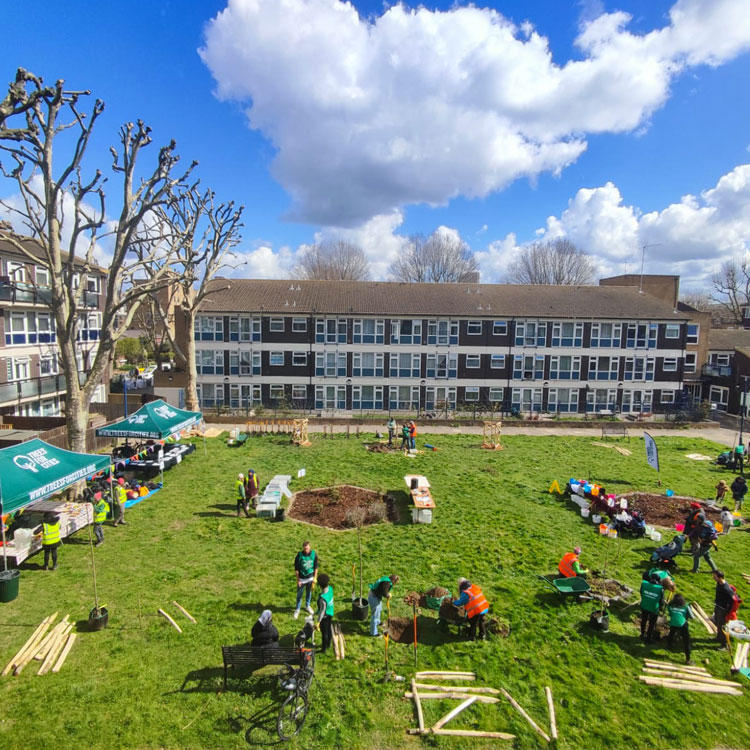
643	258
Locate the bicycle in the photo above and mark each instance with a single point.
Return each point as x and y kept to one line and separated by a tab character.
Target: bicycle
293	711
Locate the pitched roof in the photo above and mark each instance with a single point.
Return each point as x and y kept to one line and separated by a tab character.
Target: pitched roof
397	298
33	247
727	339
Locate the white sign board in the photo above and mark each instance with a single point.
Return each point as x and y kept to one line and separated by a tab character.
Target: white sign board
301	473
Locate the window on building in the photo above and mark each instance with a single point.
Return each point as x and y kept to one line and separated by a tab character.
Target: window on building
277	325
565	368
299	325
367	364
50	407
210	361
330	330
473	361
672	331
442	365
499	327
497	361
474	327
330	397
210	394
368	331
89	326
531	333
562	400
276	391
299	393
209	328
669	364
527	399
604	368
244	329
41	276
567	334
601	399
693	333
20	368
639	368
641	335
405	365
471	393
720	359
276	359
244	363
48	365
636	401
667	397
720	396
330	364
406	331
442	332
367	397
16	271
404	397
495	395
299	359
605	335
93	284
528	366
691	359
439	398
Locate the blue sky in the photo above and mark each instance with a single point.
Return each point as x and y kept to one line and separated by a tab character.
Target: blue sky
489	121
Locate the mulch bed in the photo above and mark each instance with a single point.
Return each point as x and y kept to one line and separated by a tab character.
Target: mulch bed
382	448
609	588
660	510
401	630
329	506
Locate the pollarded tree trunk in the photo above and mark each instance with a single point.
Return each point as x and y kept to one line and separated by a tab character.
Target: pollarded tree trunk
191	366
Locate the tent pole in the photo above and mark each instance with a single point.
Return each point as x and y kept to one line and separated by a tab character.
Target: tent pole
2	531
93	566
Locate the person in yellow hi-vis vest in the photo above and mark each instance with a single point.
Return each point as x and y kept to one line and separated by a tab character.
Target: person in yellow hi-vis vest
121	497
101	508
50	539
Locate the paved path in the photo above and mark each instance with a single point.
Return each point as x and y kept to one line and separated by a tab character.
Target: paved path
717	434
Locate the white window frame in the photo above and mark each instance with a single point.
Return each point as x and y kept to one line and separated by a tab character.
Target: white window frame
558	337
693	338
690	363
495	394
299	359
299	392
276	390
499	327
471	393
20	369
719	395
51	359
497	361
672	328
473	324
359	334
670	364
277	325
473	361
415	337
666	397
41	276
573	373
276	355
358	364
414	368
299	325
16	271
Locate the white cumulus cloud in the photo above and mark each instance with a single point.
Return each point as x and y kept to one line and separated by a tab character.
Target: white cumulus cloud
420	106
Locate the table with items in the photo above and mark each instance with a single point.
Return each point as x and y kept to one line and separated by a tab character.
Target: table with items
421	498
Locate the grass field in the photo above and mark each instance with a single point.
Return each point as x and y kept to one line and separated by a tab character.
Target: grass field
142	685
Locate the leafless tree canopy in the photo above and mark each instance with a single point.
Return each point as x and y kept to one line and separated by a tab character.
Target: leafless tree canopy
438	258
732	287
64	211
697	300
552	262
333	261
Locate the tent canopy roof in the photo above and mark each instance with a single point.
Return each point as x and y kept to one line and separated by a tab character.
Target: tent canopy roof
154	420
34	470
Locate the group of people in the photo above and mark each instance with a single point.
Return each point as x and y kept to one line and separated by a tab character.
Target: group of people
738	489
246	487
306	570
408	434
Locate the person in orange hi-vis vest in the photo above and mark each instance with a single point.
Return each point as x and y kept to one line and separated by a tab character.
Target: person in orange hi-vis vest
569	566
472	598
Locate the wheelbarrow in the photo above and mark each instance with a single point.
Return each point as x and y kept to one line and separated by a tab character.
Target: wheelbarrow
574	586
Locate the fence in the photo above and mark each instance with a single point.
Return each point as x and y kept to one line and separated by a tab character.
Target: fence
59	438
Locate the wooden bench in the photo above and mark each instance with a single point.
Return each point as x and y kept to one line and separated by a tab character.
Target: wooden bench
617	430
255	657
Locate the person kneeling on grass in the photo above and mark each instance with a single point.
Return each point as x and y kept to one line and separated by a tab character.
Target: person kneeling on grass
569	566
264	632
472	599
679	614
379	590
324	621
652	598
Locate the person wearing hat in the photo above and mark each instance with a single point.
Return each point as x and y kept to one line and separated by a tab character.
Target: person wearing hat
569	566
251	486
652	598
693	522
241	495
324	621
473	600
50	539
412	435
264	633
739	490
705	539
101	508
120	498
379	590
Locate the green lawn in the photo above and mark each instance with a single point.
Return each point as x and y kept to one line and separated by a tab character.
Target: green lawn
144	686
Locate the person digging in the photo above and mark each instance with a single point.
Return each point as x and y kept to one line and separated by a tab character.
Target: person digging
652	598
570	567
324	621
379	591
476	606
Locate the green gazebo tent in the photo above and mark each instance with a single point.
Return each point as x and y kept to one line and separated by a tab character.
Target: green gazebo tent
154	420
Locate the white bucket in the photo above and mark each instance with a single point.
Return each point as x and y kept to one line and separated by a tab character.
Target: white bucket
624	504
585	512
649	531
655	536
596	519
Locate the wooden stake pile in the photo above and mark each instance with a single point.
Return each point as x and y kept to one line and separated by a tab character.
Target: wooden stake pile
740	656
746	576
680	677
468	695
50	648
702	618
339	644
171	621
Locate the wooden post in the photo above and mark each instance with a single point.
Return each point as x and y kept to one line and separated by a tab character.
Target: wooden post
455	712
170	620
418	704
457	696
64	655
551	708
446	675
33	639
184	611
460	688
523	713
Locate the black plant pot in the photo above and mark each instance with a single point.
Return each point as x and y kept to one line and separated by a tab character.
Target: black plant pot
599	620
98	619
360	608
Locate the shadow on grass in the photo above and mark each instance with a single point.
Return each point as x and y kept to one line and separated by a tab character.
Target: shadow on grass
260	727
216	514
401	502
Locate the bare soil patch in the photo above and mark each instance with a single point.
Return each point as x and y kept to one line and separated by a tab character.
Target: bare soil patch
382	448
401	630
609	588
331	506
660	510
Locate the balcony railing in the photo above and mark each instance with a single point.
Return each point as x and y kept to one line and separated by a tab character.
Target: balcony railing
34	388
717	371
33	295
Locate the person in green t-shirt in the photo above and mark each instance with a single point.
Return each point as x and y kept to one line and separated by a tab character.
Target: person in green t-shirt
739	456
665	579
325	612
652	598
306	569
679	614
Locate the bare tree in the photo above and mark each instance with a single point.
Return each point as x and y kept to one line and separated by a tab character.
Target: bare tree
732	287
441	258
55	199
557	262
333	261
203	235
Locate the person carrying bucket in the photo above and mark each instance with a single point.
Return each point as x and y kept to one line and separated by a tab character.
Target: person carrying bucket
379	590
569	566
473	600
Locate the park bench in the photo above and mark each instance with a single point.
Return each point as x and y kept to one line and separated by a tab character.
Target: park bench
617	430
255	657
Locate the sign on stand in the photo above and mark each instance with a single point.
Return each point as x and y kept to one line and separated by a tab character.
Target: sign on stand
652	453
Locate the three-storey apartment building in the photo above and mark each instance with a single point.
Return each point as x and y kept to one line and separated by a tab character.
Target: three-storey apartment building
374	346
31	383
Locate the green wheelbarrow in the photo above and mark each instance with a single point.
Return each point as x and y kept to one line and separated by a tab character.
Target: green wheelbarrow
575	586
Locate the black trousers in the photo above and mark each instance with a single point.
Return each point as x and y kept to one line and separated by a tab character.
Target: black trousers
242	505
326	632
50	550
684	632
650	618
474	622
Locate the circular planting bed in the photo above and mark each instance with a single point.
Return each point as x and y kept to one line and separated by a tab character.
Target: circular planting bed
660	510
342	507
